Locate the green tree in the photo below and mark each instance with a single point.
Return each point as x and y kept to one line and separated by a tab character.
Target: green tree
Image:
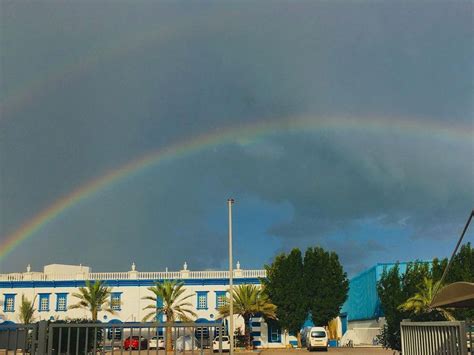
419	303
284	285
462	269
168	300
248	301
325	285
94	297
27	310
394	288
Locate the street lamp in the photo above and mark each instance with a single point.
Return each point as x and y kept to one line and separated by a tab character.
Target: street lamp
230	202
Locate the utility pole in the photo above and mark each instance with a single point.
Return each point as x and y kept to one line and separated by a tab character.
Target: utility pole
230	202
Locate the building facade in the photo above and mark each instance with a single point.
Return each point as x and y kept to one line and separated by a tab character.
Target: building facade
362	316
52	291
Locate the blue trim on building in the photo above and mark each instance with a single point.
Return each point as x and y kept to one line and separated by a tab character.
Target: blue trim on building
61	295
9	296
255	324
257	343
123	283
43	296
199	295
160	316
256	334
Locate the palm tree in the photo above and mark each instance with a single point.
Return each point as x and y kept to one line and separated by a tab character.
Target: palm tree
249	300
173	306
420	302
94	297
27	310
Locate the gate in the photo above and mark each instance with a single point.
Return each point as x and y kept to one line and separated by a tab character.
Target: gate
435	338
18	338
50	338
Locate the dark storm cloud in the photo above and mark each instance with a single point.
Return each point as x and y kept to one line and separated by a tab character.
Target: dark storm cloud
137	77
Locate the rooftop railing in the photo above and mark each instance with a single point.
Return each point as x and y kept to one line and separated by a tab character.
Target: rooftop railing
132	275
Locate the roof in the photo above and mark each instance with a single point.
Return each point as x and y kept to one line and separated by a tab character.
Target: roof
455	295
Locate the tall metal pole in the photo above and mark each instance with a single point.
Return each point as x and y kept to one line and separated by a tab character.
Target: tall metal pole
231	281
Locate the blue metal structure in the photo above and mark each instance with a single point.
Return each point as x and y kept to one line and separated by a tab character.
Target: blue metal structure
363	302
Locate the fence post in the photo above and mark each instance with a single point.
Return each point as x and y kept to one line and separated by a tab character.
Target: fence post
42	337
402	337
463	338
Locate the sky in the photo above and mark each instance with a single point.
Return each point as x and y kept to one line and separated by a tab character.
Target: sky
347	125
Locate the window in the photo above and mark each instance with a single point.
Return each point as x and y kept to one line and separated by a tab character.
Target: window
115	301
43	302
220	299
114	333
201	300
318	334
61	302
9	303
274	333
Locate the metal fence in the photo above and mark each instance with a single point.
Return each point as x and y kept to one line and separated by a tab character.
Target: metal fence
18	338
67	338
436	338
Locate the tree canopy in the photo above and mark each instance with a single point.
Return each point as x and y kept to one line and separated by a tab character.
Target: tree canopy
316	285
94	297
249	301
284	283
27	310
326	284
168	299
407	295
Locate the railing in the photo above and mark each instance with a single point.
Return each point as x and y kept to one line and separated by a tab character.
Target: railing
432	338
75	338
169	275
18	338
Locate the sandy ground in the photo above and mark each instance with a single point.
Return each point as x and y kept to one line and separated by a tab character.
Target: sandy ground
348	351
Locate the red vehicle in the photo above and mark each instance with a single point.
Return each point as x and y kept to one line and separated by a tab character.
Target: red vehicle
135	342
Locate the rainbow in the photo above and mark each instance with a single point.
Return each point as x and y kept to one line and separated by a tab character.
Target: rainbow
247	133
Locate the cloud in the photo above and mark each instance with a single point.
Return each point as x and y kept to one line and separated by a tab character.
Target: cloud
190	70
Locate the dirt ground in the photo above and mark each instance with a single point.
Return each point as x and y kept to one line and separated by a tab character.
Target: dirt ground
348	351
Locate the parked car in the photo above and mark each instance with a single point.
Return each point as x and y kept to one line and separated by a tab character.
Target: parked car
225	344
317	338
156	343
135	342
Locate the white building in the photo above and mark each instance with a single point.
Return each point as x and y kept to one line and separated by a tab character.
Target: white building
52	291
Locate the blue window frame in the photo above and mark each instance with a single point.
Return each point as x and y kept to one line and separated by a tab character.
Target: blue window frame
201	300
116	301
61	302
9	302
43	302
220	299
274	333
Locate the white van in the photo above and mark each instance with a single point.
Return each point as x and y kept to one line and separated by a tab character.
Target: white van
317	338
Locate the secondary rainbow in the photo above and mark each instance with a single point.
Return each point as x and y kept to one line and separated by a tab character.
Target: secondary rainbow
249	133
